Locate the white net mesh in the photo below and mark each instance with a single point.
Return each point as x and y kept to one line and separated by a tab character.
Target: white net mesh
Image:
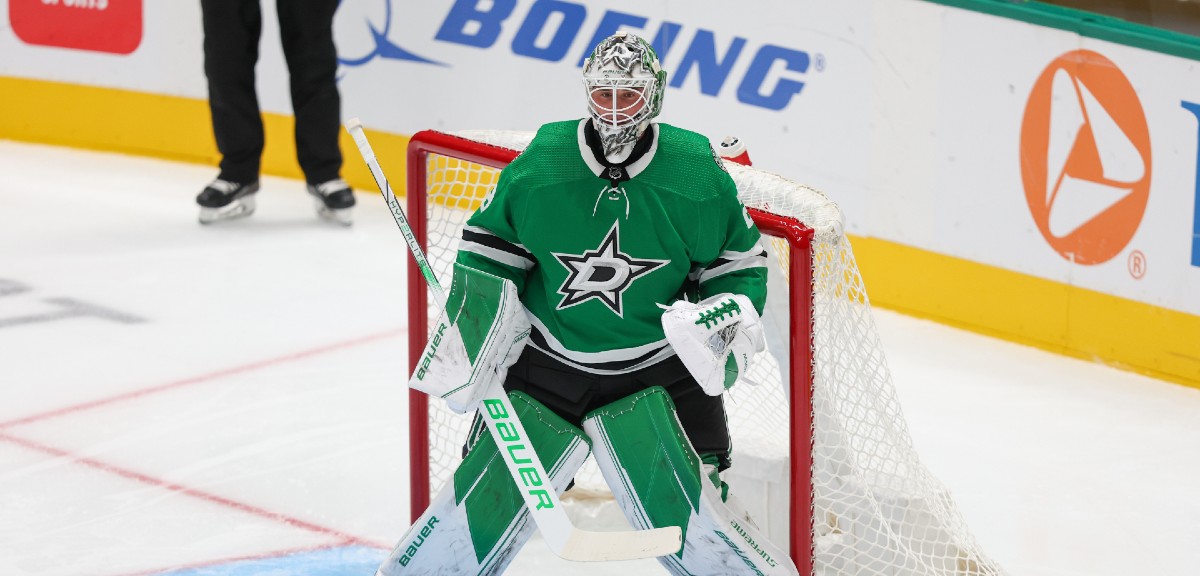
876	509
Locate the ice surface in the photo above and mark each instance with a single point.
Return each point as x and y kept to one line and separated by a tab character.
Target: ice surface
230	400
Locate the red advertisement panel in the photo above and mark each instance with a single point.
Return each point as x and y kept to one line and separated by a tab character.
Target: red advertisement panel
101	25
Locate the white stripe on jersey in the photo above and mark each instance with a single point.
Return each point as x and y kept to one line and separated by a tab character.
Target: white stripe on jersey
710	273
497	250
587	361
498	255
756	251
756	257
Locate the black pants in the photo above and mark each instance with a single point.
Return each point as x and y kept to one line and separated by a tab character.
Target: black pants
572	393
231	33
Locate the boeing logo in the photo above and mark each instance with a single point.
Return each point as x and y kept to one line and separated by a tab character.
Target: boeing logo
773	76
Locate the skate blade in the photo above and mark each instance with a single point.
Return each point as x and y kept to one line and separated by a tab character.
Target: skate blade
240	208
343	217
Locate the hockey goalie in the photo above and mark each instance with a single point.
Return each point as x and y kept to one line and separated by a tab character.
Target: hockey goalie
612	284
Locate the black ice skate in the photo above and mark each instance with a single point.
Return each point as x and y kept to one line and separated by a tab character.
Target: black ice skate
225	200
333	199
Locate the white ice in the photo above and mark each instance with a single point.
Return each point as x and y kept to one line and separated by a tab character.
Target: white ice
175	396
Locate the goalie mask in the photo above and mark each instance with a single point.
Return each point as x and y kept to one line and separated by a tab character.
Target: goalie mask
624	85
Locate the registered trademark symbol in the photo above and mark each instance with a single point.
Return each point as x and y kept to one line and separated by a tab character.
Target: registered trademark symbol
1137	264
820	62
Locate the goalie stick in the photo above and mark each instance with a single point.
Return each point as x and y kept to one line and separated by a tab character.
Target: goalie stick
563	538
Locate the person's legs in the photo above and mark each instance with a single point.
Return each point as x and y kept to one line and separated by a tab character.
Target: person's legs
231	33
306	27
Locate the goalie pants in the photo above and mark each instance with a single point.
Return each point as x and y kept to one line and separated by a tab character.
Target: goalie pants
572	393
231	34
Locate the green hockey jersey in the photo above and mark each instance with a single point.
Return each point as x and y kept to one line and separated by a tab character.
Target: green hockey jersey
594	249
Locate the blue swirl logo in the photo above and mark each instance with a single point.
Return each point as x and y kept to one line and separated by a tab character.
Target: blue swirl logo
382	46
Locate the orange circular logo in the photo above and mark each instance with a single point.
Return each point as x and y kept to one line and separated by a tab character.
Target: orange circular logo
1085	157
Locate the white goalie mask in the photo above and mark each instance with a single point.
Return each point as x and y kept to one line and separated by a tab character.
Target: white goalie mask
624	84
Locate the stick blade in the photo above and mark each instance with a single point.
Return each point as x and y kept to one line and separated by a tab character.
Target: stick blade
587	546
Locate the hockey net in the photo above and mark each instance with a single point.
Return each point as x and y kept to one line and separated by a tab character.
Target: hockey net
822	455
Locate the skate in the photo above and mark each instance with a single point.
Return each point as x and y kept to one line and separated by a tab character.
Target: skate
225	200
333	200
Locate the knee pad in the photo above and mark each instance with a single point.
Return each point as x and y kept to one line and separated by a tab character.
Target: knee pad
658	480
478	521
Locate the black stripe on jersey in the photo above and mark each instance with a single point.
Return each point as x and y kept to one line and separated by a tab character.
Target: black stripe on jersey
539	341
496	242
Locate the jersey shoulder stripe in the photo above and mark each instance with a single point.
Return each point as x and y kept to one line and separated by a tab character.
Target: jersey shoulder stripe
722	266
481	241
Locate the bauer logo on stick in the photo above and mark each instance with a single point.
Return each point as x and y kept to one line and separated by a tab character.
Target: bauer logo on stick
510	442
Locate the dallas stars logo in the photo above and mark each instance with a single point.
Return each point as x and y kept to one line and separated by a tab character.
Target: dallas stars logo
604	273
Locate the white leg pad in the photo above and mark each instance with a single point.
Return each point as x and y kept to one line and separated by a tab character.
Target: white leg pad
658	480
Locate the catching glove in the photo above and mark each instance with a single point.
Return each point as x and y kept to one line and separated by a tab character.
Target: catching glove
715	338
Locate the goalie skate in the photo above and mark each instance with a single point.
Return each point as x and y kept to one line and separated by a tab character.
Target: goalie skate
225	200
333	200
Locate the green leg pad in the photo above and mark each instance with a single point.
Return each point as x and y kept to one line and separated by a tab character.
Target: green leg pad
483	484
478	521
658	480
656	469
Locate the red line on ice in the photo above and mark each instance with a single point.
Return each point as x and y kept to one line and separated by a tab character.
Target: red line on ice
201	378
192	492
